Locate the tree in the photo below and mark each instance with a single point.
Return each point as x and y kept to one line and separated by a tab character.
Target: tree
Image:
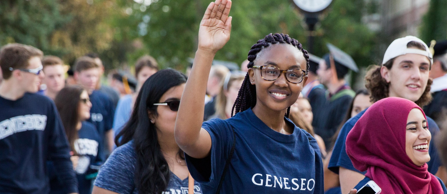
433	23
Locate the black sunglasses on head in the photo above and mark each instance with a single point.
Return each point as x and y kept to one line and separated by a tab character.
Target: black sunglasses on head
173	105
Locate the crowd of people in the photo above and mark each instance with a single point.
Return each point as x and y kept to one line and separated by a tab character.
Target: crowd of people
287	122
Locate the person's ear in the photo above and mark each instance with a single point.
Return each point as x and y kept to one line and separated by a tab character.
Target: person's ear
251	75
385	73
76	76
151	116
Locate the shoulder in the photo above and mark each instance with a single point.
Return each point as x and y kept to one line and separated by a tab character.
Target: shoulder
37	98
117	174
121	161
432	126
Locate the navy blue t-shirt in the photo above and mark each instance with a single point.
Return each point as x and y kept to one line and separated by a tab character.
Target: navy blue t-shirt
366	180
264	161
118	174
340	158
31	133
101	116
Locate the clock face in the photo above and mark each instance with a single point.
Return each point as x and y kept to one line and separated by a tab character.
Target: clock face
312	5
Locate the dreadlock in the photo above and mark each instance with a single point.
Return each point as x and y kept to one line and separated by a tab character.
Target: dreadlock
246	97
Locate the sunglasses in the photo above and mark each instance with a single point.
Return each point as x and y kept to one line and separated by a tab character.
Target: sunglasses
85	100
173	105
33	71
271	73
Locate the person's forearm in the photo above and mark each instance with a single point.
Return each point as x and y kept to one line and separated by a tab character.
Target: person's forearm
349	179
188	125
110	142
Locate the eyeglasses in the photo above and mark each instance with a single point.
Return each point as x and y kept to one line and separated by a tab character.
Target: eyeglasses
33	71
173	105
85	100
271	73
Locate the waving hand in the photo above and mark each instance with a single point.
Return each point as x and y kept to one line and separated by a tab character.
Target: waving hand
215	27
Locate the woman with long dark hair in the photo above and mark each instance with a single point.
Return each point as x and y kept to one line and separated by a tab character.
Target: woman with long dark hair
258	150
73	105
147	159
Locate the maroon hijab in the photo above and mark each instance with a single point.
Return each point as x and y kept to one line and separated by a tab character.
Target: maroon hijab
377	144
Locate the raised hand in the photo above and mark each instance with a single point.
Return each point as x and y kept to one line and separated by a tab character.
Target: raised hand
215	27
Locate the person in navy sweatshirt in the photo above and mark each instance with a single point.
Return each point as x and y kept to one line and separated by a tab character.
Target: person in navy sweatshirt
31	131
73	105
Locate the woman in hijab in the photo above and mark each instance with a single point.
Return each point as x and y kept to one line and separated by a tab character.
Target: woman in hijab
391	141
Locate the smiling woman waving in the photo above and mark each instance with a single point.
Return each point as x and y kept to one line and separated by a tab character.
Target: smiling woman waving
258	149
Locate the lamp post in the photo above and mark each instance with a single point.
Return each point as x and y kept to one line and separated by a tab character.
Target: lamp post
311	9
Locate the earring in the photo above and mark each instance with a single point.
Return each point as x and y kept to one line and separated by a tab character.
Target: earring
152	121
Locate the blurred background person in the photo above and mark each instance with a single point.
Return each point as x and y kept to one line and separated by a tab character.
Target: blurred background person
228	94
54	79
216	77
73	105
122	82
359	103
244	65
301	114
332	71
314	91
70	80
145	67
109	91
102	111
148	160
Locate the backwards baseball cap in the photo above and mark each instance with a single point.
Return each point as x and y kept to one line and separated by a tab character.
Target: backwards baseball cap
399	47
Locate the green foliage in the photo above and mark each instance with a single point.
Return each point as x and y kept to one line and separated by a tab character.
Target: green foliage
433	23
29	22
123	30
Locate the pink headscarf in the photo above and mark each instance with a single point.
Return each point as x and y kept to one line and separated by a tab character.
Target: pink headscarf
377	144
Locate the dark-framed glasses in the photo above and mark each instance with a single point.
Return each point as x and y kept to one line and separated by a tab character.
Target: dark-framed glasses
271	72
173	105
33	71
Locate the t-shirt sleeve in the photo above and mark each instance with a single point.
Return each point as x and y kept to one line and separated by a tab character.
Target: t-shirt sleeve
339	156
442	185
59	151
117	174
221	134
435	161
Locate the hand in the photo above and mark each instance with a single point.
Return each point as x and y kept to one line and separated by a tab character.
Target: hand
353	191
215	27
74	160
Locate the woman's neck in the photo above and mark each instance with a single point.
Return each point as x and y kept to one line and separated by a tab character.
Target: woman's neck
273	119
79	125
228	108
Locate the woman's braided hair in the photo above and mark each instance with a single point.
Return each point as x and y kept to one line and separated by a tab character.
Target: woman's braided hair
246	97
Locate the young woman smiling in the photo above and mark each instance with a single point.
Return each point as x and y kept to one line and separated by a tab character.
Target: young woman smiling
258	150
391	142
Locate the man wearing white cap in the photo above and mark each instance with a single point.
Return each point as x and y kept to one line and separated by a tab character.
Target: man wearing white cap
404	73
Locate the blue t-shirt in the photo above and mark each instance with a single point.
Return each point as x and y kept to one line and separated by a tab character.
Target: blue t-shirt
31	133
264	161
340	158
366	179
118	173
89	160
122	113
101	116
